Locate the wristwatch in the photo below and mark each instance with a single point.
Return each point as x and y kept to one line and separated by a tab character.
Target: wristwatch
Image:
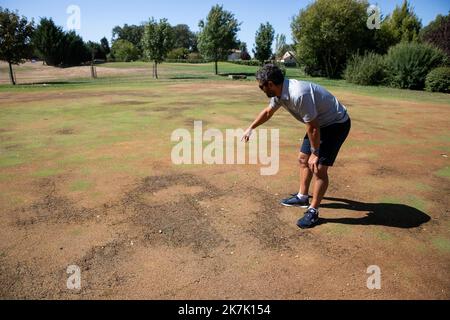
315	151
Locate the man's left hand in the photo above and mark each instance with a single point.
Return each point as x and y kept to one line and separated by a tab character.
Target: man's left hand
313	163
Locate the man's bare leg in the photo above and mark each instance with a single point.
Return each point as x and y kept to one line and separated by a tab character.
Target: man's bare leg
320	186
306	174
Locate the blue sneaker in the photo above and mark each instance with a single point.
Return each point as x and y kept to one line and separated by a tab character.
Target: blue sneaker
295	201
310	219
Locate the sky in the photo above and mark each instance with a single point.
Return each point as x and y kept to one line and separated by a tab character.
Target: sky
99	17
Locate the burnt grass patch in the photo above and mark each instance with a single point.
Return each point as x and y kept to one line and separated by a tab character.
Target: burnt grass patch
26	280
180	221
52	209
100	268
125	103
66	131
267	227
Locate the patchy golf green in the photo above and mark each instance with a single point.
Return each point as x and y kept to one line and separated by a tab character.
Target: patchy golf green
86	178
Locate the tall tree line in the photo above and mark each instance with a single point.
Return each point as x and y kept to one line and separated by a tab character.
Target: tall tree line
326	34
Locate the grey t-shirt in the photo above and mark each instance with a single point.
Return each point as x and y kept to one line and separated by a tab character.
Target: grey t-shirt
308	101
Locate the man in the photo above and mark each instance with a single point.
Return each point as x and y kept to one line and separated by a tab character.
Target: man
327	127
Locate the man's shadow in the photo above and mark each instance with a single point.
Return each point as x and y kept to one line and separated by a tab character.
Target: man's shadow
382	214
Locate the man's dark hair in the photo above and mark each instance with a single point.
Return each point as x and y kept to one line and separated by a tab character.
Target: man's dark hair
270	72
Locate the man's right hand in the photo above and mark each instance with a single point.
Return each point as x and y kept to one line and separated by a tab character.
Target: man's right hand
247	135
262	118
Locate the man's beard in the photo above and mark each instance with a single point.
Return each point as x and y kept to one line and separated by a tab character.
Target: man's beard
270	94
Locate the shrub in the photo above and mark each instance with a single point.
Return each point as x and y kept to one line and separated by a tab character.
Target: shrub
408	64
438	80
366	70
186	61
195	56
124	51
252	63
178	54
110	57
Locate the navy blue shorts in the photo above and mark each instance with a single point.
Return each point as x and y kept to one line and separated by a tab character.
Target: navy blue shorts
331	140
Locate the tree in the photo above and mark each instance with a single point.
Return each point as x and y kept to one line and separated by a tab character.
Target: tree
194	47
183	37
130	33
75	50
263	42
280	46
58	48
437	33
383	38
48	39
105	46
328	32
217	35
124	51
97	50
15	39
94	49
243	46
244	51
157	42
404	23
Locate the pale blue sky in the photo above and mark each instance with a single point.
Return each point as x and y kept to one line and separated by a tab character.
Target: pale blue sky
98	17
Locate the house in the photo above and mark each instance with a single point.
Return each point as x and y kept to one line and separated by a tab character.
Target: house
289	59
235	55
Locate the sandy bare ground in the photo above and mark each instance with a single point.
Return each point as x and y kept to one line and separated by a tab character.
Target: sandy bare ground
29	73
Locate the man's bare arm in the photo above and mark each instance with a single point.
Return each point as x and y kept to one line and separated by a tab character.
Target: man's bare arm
313	131
262	118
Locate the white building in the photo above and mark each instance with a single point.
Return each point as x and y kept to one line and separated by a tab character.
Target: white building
235	55
289	58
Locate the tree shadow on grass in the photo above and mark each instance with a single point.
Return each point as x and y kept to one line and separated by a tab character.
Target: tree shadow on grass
50	83
248	74
188	77
381	214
